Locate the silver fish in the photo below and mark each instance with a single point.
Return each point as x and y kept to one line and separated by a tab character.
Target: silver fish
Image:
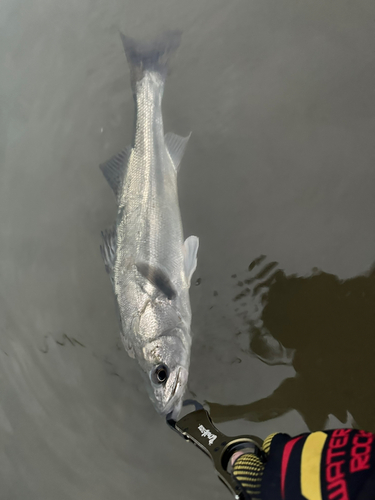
149	263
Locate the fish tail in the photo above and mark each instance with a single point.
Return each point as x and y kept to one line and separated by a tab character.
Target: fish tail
152	56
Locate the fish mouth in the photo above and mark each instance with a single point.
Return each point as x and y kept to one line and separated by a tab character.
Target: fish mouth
176	383
172	407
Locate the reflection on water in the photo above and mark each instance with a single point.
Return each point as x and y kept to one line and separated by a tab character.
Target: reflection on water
324	327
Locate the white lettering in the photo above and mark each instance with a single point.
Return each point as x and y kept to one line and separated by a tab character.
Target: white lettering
207	433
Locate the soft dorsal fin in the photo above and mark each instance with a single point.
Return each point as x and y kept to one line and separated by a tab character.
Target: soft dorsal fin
190	249
176	147
114	169
108	249
158	278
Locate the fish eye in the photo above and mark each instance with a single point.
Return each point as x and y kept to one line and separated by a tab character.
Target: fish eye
160	374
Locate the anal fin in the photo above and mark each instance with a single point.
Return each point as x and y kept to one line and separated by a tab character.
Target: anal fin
114	169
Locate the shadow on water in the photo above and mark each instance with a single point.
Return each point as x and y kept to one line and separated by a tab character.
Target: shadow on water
325	328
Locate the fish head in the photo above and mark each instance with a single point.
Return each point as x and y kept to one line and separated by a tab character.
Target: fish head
166	363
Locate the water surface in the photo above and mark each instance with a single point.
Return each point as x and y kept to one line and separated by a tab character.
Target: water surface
279	172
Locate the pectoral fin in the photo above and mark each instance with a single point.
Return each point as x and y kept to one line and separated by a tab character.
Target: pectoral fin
108	249
129	349
191	249
176	147
114	169
158	278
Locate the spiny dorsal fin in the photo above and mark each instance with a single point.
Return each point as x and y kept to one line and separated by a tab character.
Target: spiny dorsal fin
158	278
176	147
114	169
108	249
190	249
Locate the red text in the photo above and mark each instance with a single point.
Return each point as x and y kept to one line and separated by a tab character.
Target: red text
361	451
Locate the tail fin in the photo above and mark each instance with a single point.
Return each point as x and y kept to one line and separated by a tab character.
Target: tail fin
151	56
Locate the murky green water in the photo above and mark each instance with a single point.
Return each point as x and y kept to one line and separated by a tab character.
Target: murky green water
279	172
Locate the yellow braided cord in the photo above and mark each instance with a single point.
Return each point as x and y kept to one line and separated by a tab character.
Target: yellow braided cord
267	443
248	470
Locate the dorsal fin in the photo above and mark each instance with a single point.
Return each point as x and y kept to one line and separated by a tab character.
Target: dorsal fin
176	146
158	278
114	169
